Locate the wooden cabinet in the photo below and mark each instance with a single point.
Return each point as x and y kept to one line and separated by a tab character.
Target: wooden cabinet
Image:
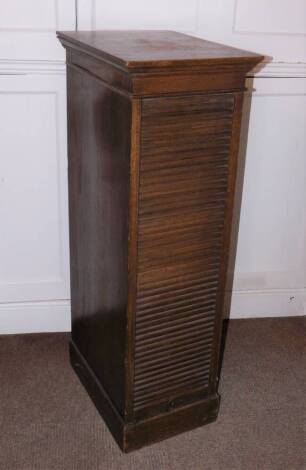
153	133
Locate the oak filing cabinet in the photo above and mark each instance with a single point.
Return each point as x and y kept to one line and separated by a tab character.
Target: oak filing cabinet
153	134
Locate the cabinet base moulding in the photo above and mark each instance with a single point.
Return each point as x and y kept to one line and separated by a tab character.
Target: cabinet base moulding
132	436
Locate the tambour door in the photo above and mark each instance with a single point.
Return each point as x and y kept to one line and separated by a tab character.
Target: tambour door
183	182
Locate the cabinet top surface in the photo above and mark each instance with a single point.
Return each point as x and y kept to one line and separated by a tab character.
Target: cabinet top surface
132	49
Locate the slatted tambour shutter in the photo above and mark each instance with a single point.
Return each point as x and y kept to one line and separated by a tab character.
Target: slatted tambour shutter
184	156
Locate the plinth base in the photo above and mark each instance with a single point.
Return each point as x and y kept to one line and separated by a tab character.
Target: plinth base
131	436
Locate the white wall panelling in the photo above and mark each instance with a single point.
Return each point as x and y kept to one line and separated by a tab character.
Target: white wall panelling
120	14
270	276
33	203
33	197
32	67
34	268
274	28
32	15
33	187
270	17
27	28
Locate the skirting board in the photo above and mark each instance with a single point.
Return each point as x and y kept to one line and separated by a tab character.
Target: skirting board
35	317
268	303
54	316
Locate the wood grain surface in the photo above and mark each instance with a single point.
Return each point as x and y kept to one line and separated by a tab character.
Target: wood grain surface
182	200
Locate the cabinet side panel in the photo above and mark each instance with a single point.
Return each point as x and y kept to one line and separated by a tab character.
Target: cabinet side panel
99	126
183	194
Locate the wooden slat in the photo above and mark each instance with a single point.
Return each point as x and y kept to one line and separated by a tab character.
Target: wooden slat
145	355
183	182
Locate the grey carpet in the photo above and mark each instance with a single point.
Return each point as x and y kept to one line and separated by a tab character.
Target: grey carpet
48	422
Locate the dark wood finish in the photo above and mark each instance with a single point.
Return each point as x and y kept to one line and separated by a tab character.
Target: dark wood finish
99	147
137	433
144	62
182	196
153	131
151	50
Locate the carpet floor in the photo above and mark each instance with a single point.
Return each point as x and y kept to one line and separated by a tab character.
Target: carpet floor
48	422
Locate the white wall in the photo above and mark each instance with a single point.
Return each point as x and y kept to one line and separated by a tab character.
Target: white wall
34	265
270	277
